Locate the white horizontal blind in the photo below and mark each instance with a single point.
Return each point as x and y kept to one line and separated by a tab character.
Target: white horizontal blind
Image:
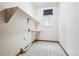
47	20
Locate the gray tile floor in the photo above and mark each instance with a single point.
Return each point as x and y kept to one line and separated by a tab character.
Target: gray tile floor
41	48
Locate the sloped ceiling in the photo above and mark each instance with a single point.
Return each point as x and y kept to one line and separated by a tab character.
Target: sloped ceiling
8	13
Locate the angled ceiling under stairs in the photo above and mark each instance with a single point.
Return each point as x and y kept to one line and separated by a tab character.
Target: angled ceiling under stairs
8	13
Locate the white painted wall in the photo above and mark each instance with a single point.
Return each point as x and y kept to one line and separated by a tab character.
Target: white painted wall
12	34
48	33
68	27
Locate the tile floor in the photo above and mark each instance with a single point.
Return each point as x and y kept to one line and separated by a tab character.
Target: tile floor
42	48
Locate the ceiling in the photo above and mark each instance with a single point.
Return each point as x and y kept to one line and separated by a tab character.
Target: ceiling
45	4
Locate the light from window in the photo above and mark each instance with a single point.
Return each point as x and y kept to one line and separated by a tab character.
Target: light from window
47	20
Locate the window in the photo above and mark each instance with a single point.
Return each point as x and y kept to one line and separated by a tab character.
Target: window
47	17
48	12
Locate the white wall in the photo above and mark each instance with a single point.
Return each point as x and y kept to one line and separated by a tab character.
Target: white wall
48	33
12	34
68	27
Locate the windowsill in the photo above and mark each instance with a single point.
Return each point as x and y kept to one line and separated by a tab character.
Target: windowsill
47	26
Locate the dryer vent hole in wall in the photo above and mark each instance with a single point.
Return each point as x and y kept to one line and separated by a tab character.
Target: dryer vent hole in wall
24	39
28	30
